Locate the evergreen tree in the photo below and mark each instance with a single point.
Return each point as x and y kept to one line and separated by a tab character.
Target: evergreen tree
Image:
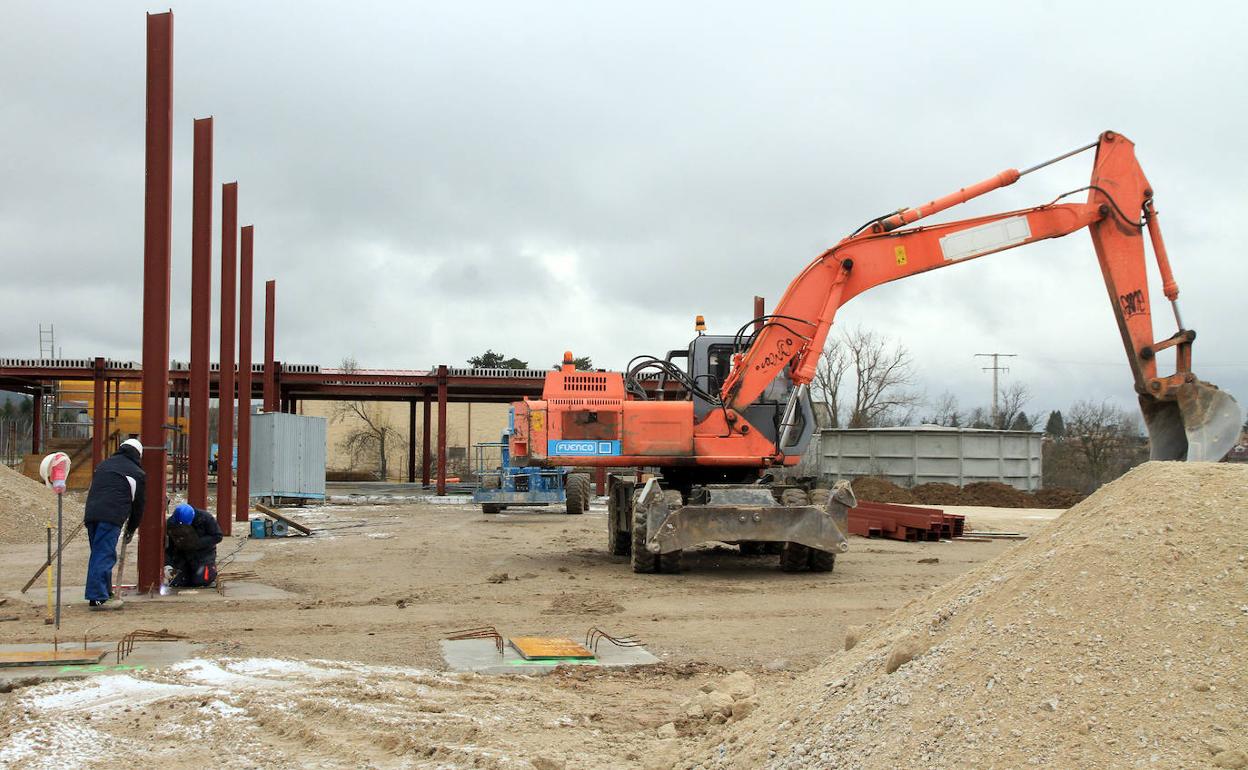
1056	426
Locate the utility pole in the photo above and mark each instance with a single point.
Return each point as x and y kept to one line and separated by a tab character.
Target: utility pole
996	369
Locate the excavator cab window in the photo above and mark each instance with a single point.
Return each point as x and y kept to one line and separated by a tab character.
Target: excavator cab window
718	366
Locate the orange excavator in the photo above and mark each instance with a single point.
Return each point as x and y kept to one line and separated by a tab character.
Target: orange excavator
709	431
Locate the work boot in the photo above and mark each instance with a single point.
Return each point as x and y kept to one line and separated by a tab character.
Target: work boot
107	604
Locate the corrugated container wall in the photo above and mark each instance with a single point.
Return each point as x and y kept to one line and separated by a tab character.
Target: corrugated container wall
910	456
287	455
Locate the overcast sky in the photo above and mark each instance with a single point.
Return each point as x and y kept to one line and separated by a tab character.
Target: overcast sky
429	180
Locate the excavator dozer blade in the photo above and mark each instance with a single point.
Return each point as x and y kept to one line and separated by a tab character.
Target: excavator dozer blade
1201	425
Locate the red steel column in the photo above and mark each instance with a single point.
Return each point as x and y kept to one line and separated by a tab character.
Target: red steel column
600	481
201	315
270	372
98	408
411	441
242	506
759	312
225	380
36	421
157	247
426	436
442	430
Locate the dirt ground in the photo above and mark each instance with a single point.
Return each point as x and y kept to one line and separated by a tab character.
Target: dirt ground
378	586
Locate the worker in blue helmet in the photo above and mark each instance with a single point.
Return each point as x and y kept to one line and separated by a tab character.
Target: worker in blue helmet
191	537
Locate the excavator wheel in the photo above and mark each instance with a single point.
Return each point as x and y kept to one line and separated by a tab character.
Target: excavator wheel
820	497
641	559
751	548
491	507
794	557
669	563
576	488
618	542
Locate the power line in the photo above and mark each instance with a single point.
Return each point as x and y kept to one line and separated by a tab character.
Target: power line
996	369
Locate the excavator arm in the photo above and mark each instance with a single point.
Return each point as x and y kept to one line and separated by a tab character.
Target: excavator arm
1186	418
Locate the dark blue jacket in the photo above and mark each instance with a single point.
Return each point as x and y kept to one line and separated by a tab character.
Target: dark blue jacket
117	490
195	543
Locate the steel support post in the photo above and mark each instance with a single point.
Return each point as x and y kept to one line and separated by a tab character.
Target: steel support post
426	436
157	247
98	413
270	369
242	505
600	481
442	429
36	422
411	441
225	378
759	311
201	315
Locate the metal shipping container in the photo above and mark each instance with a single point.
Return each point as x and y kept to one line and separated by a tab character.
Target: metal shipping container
287	455
919	454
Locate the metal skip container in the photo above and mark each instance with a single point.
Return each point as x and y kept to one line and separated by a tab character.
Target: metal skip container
287	456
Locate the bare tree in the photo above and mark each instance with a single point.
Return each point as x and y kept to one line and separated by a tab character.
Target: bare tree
881	370
1010	405
1106	437
369	430
829	378
945	412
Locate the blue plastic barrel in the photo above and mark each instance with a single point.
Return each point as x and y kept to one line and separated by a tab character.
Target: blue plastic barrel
257	527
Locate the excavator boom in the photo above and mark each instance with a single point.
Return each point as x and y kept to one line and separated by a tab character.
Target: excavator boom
1187	419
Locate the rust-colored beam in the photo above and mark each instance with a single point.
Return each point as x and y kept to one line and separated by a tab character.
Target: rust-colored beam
760	306
441	430
426	435
225	376
411	441
270	369
36	422
201	315
242	505
600	481
157	247
99	411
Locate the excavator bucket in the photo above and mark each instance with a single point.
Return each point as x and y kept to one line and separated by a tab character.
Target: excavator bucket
1201	425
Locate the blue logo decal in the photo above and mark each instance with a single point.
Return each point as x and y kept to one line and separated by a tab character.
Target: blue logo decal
582	448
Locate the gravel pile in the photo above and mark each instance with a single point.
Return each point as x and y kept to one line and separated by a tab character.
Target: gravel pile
989	493
1114	638
26	506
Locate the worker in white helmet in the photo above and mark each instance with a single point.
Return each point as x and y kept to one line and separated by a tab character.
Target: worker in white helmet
115	500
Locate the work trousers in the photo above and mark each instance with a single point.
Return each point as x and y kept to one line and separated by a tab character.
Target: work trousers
103	536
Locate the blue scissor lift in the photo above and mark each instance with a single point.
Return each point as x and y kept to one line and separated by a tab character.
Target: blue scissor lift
506	486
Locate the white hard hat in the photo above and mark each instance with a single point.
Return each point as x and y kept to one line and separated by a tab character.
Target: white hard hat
134	442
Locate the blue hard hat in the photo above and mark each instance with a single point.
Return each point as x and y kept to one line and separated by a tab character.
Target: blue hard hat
183	514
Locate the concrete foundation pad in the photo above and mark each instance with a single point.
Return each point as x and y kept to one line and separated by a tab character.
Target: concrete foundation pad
146	655
481	656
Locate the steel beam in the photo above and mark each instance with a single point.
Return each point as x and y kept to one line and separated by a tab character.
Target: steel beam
411	441
225	377
441	430
157	247
760	306
242	505
426	456
201	315
270	369
98	413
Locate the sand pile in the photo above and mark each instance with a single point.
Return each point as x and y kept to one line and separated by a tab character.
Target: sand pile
878	490
26	506
1114	638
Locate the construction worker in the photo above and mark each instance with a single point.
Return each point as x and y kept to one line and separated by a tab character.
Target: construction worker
191	538
114	500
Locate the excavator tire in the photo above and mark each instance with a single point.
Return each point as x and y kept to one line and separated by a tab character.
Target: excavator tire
491	507
819	497
794	557
751	548
669	563
821	561
618	543
641	559
576	489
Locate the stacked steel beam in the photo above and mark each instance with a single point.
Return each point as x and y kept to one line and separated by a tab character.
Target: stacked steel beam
904	522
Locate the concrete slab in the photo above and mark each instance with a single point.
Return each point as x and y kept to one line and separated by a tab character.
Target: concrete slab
481	656
145	656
